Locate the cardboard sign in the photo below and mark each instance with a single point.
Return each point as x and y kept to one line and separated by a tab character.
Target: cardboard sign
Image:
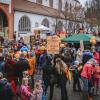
53	44
26	39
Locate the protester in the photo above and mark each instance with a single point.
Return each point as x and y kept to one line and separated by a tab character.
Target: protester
42	60
95	54
86	76
73	53
21	66
10	68
6	91
32	64
87	54
97	80
62	79
79	55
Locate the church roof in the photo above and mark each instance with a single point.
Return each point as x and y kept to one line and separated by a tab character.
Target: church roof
31	7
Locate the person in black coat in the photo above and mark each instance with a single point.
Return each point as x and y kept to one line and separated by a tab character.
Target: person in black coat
21	66
6	92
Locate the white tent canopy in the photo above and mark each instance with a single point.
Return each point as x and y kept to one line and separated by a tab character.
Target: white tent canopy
42	27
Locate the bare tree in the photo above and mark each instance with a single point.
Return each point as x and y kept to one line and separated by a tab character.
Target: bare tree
92	13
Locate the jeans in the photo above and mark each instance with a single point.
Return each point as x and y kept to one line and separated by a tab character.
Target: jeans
62	83
85	84
76	82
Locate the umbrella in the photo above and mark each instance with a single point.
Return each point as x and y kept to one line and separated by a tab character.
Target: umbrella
76	38
42	27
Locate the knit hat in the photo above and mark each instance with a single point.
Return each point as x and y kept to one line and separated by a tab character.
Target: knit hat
76	62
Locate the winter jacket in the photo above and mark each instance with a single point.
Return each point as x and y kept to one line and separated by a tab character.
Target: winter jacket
97	72
6	92
32	63
96	56
37	94
87	71
25	92
21	66
10	68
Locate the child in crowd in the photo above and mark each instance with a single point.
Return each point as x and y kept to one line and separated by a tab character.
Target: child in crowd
38	91
97	79
25	74
25	90
76	82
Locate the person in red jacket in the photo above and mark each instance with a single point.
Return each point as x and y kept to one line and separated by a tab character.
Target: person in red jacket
10	66
86	76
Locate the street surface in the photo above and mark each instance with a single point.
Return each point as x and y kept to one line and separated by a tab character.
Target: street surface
72	95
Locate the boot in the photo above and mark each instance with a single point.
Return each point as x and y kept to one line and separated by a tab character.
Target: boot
90	98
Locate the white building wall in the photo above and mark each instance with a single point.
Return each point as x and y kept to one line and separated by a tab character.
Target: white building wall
46	2
55	4
34	18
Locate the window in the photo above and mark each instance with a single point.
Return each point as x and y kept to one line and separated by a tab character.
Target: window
60	5
66	6
51	3
70	27
45	22
39	1
36	24
24	25
59	26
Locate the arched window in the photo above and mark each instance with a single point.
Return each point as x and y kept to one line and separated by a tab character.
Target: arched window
36	24
59	26
39	1
77	27
24	25
45	22
70	27
51	3
3	24
66	6
60	5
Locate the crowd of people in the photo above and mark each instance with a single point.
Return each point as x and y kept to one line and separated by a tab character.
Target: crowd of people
19	63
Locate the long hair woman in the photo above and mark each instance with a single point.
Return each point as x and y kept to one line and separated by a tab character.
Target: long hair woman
60	67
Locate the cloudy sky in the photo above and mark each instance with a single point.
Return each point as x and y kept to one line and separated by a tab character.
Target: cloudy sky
83	1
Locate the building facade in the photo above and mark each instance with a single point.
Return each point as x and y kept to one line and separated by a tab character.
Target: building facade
19	17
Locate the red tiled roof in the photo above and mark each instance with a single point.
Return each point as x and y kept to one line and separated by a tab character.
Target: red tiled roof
31	7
